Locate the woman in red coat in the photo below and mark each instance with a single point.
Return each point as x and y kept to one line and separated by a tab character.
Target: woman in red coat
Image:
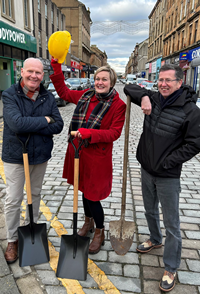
98	119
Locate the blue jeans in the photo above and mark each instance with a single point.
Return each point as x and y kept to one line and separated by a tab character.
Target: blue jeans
165	190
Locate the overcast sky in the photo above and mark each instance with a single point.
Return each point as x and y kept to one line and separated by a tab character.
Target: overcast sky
120	45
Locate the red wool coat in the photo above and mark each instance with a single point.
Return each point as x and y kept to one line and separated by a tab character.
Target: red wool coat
95	178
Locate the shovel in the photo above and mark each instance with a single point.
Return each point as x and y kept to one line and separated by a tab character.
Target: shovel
122	232
33	244
73	257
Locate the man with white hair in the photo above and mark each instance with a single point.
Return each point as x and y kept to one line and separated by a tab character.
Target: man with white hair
29	111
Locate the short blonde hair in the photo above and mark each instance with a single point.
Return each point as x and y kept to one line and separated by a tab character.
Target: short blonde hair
113	75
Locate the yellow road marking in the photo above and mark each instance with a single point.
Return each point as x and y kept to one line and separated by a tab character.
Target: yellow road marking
72	286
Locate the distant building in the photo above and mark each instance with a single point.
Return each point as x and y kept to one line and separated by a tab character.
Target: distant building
47	19
77	22
98	58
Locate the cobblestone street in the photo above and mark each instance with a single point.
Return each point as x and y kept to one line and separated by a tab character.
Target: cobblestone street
107	272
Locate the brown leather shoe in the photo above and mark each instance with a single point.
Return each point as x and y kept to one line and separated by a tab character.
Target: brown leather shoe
97	241
11	253
87	227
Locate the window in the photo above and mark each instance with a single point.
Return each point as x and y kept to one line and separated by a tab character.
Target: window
39	6
57	18
52	14
7	9
181	10
182	40
185	8
179	39
190	34
193	4
195	32
26	14
46	10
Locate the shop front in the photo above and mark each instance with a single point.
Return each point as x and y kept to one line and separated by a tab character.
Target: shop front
158	66
15	47
194	59
75	68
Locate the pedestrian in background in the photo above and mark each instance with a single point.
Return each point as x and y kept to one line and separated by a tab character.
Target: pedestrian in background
98	120
171	136
28	109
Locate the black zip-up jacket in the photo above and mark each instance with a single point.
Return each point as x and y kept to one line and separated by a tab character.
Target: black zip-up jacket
171	136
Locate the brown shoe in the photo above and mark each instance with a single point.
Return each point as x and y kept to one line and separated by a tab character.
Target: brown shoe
97	241
87	227
11	253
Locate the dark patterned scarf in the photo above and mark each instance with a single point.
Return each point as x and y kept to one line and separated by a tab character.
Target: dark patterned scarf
94	122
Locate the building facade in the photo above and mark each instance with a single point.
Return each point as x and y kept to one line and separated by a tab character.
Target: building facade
98	58
77	22
17	41
47	20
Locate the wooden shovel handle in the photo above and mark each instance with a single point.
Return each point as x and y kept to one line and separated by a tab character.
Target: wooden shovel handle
73	133
126	143
76	178
27	178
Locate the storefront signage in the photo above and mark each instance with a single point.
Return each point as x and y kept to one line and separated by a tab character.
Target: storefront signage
150	67
16	38
146	65
195	53
153	67
183	56
75	64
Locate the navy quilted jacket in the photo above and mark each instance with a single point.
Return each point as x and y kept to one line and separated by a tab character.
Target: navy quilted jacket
171	136
22	116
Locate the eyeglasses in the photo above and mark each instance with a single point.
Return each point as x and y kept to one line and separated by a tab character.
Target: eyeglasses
167	81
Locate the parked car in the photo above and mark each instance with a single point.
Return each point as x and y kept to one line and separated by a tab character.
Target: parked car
146	84
92	82
76	84
139	80
59	101
86	83
154	87
130	79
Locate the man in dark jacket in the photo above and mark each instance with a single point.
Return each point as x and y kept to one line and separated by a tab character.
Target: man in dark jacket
28	110
171	136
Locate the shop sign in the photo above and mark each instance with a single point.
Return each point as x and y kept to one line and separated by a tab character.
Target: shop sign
150	68
146	65
143	74
195	53
183	56
16	38
153	67
65	68
75	64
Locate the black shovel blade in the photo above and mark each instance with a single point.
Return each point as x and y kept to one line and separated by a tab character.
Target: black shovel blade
33	244
73	258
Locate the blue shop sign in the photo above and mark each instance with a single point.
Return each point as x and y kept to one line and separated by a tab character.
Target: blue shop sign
143	74
183	56
195	53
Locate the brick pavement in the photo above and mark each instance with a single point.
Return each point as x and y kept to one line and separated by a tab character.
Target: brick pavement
132	273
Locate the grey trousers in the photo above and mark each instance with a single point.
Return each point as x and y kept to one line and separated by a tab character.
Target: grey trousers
15	180
166	191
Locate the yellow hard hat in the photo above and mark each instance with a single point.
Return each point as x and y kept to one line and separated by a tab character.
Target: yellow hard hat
58	45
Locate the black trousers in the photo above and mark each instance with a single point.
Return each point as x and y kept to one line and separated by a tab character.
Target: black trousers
94	209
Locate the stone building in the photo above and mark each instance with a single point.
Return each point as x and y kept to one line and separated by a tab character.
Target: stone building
156	35
47	19
98	58
77	22
17	41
